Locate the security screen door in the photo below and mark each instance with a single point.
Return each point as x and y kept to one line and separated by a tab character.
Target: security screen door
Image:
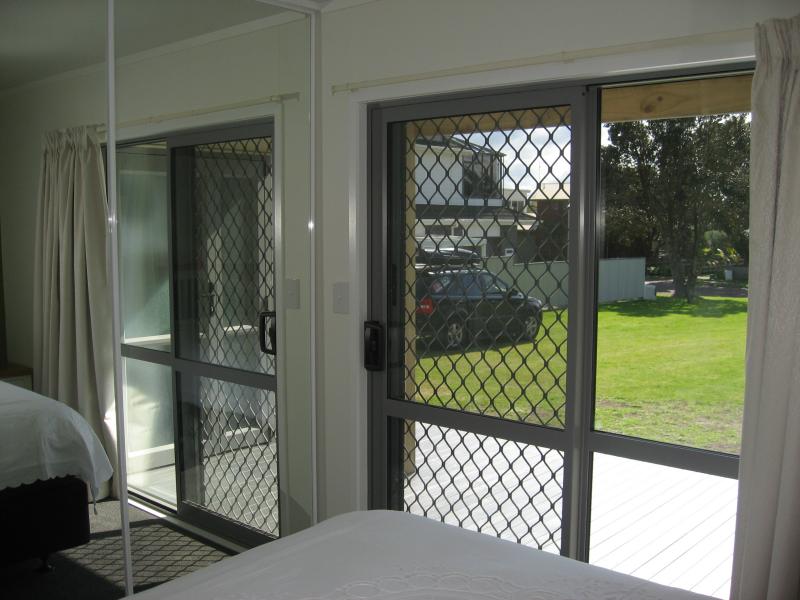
224	303
198	240
472	251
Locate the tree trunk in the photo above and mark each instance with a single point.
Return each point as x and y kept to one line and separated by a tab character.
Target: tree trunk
678	276
691	294
691	281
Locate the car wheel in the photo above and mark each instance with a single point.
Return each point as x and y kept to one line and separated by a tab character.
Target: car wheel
456	335
532	327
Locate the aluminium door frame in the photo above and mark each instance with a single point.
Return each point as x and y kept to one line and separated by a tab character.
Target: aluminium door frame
189	369
181	366
587	441
384	411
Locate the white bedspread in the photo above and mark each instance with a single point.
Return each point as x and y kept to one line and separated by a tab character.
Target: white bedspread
41	438
396	556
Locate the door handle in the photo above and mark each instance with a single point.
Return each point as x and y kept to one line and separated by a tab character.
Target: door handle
212	298
266	332
373	346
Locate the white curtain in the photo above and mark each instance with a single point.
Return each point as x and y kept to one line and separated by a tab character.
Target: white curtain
72	345
767	549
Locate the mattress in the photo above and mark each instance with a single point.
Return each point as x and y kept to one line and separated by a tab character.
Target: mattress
396	556
41	438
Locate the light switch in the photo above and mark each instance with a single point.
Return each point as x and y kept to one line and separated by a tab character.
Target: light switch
291	293
341	297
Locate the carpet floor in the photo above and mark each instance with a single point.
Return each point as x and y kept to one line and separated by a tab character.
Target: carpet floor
94	571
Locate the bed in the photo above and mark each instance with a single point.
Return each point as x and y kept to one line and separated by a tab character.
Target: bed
396	556
50	459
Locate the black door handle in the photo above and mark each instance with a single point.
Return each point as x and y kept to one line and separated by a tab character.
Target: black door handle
373	346
264	332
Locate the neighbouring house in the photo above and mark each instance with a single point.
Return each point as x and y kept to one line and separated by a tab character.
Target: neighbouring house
461	201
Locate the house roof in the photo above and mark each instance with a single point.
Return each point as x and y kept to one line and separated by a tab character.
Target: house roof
516	194
551	190
455	143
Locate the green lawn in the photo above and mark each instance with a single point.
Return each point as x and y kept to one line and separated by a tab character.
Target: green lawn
666	370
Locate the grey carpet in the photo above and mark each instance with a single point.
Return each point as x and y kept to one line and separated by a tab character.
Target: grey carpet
94	571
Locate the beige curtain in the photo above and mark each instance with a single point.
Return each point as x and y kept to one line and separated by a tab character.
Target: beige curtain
72	339
766	561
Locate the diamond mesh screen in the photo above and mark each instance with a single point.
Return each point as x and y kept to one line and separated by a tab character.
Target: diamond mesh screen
479	236
484	221
238	443
234	247
495	486
232	264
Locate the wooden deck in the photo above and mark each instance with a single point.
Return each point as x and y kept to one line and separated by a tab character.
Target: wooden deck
667	525
158	484
662	524
237	486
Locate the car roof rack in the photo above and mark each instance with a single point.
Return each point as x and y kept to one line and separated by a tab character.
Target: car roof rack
447	258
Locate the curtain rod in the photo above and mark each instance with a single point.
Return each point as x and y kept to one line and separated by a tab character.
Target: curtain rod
734	35
202	111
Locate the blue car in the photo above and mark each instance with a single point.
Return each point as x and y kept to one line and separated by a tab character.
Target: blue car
456	308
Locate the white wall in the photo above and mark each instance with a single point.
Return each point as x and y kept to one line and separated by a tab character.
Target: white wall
391	38
620	279
186	76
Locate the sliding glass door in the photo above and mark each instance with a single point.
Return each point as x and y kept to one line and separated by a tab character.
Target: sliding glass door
558	278
198	251
225	305
144	254
669	366
474	409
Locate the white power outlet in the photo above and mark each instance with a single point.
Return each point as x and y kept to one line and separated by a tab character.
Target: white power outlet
291	293
341	298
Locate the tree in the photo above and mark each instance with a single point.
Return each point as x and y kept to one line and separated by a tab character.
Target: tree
667	182
732	170
629	228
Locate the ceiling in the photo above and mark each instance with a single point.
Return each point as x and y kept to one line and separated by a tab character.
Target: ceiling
40	38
